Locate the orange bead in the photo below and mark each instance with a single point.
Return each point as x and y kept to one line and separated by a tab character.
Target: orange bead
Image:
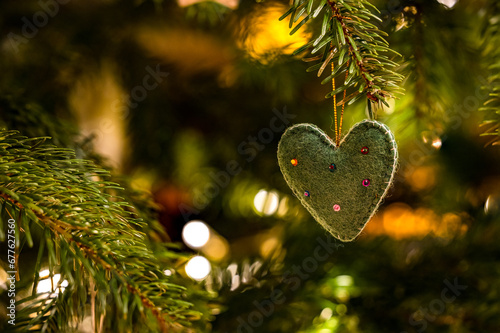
294	162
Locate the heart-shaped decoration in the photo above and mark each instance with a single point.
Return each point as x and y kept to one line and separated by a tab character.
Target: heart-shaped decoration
343	186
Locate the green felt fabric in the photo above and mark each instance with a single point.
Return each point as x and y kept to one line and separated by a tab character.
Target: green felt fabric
315	151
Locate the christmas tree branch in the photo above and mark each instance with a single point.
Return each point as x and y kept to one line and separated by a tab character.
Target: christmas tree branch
350	42
491	107
100	260
88	234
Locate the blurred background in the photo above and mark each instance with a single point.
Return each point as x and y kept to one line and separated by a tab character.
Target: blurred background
188	100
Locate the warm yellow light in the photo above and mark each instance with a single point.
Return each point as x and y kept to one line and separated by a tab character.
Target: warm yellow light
437	143
492	204
342	294
96	98
451	225
233	4
422	178
198	268
3	278
399	221
431	138
283	207
264	37
266	202
216	249
269	246
195	234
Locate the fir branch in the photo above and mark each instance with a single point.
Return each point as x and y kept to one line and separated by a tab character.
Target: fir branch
88	234
491	106
350	42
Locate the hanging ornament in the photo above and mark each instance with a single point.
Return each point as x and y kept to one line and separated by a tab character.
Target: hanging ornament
342	201
342	182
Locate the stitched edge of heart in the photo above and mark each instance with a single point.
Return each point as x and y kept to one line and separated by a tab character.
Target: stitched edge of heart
358	127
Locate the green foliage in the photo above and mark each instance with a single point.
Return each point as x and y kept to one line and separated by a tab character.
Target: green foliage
91	237
491	107
351	44
35	121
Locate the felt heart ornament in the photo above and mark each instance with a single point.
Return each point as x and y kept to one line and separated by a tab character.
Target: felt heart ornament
343	186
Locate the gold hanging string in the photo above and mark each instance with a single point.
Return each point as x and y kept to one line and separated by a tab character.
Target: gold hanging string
335	108
343	103
338	125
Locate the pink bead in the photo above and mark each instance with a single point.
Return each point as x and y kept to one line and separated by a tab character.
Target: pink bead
336	207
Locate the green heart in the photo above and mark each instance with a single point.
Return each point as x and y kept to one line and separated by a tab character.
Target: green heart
341	200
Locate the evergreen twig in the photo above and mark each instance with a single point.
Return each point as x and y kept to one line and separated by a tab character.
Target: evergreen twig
352	43
89	236
491	107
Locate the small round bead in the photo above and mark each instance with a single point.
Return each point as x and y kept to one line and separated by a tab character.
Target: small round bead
332	167
306	193
364	150
366	182
336	207
294	162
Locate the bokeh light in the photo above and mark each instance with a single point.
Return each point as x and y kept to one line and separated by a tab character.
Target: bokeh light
283	207
422	178
233	4
344	280
50	284
492	204
3	279
217	248
432	139
268	246
341	309
198	268
448	3
264	37
399	221
195	234
266	202
326	313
